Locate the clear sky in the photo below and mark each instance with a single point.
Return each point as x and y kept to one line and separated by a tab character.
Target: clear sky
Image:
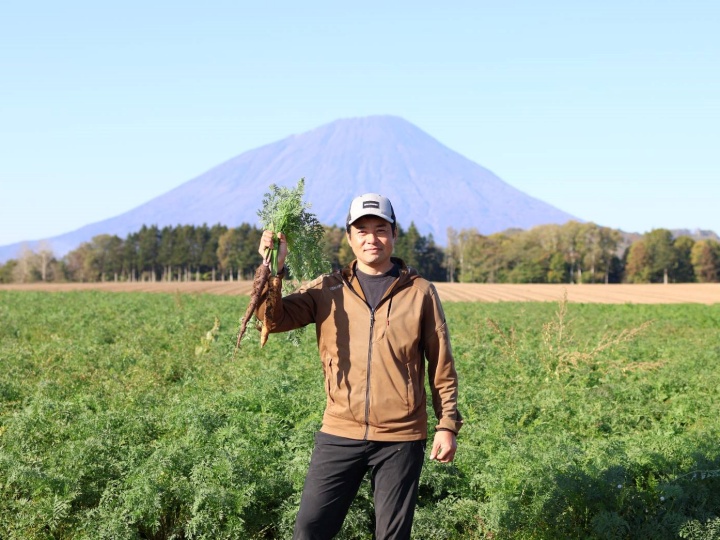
607	110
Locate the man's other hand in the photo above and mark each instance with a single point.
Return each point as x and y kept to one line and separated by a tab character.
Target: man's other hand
444	447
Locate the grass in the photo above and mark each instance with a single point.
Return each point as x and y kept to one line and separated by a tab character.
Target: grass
123	416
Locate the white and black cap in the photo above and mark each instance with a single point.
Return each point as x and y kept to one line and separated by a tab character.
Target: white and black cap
371	204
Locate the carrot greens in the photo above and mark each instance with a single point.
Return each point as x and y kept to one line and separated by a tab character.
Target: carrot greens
284	211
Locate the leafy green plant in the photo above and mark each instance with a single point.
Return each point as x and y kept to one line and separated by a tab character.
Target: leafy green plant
284	211
112	427
208	339
561	352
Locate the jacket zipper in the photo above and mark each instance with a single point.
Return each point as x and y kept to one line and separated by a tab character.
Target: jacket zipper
367	381
370	347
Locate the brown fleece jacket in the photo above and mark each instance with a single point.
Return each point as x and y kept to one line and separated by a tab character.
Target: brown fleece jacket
374	362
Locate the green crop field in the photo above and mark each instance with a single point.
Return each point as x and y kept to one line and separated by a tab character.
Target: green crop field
124	416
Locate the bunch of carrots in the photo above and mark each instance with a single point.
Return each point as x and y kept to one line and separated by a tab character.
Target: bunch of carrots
284	211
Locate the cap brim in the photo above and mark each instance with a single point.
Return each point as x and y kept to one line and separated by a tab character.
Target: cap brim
370	213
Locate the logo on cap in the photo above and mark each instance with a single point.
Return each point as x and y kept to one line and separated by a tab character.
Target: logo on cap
371	204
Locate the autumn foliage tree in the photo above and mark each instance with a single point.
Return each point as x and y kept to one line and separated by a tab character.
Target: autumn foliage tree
637	264
660	258
705	259
570	253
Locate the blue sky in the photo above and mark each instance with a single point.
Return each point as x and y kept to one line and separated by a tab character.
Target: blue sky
607	110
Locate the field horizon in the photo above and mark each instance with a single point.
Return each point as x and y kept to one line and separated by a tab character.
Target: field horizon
616	293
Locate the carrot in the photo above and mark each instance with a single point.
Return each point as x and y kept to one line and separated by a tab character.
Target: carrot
264	334
274	284
283	211
262	274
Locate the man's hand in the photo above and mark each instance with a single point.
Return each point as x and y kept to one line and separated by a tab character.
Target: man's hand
266	243
444	446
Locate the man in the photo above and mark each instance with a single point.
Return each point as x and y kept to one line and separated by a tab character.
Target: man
376	322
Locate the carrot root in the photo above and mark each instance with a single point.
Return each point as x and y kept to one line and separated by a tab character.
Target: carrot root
262	274
274	285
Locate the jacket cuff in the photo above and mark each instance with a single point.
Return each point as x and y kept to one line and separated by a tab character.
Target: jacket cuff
449	423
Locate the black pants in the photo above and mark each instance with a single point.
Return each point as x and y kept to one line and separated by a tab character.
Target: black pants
337	468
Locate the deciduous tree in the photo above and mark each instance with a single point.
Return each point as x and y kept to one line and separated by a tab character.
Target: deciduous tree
705	259
683	271
637	267
662	256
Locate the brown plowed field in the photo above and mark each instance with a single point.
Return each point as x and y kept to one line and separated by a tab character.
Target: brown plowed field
697	293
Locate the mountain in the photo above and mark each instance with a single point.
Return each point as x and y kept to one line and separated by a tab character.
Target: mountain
428	183
696	234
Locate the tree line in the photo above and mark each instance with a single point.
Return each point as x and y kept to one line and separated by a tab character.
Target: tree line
570	253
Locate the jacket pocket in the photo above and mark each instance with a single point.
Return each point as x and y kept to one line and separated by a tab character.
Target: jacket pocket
328	380
412	386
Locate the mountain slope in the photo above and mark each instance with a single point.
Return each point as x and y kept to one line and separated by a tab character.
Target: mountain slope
428	183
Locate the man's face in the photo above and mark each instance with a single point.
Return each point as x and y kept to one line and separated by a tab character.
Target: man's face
372	240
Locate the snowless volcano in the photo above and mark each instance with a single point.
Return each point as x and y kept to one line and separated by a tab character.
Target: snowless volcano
428	183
